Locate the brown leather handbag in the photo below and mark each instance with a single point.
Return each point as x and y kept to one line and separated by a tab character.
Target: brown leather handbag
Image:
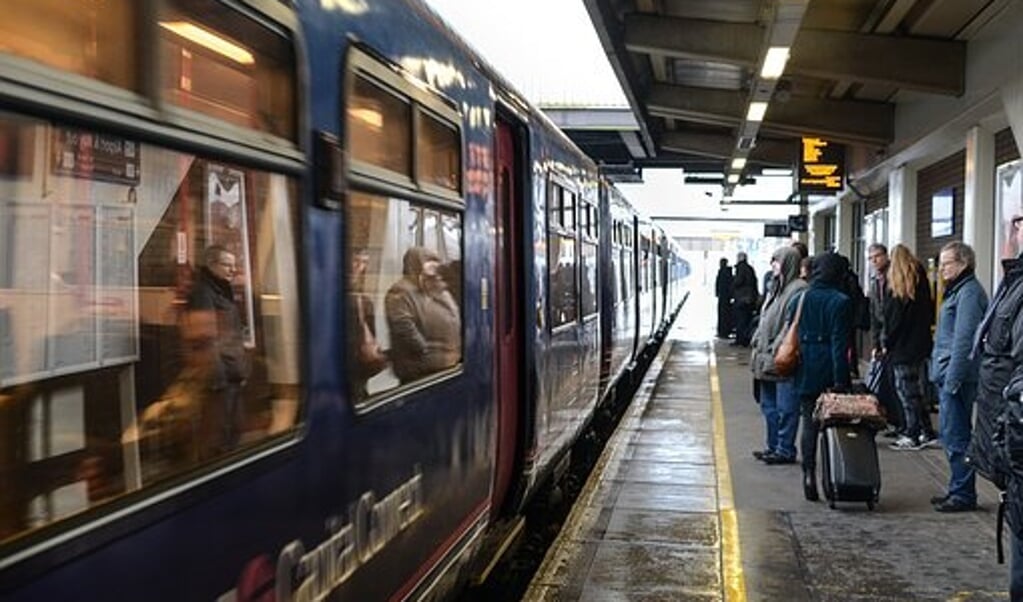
786	357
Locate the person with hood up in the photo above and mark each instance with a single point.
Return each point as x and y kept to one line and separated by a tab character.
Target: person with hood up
423	318
778	400
823	329
744	296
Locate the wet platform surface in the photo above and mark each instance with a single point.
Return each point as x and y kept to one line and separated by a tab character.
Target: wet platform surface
678	509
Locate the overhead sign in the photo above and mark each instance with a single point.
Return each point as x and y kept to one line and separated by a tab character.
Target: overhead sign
799	223
821	166
776	230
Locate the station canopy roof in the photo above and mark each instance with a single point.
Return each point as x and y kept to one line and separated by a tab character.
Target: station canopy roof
694	74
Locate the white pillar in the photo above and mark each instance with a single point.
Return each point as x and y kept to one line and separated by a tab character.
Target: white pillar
902	207
817	225
979	201
844	217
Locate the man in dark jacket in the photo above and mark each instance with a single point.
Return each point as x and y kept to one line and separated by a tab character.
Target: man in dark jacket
877	254
997	446
744	293
723	291
214	327
954	371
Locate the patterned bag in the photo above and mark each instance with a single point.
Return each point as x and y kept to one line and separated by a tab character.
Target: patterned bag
842	408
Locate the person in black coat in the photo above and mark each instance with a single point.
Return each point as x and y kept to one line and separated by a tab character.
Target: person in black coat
723	291
906	342
214	331
744	294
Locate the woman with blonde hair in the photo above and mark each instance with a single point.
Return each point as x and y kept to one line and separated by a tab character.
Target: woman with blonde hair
906	342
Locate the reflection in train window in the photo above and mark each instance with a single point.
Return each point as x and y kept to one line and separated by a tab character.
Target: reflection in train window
379	127
68	36
217	62
404	293
438	153
149	317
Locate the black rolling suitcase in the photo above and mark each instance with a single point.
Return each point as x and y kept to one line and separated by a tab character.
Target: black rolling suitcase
850	471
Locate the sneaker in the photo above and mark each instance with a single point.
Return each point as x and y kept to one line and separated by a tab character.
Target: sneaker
775	459
891	433
904	443
926	441
760	454
939	499
954	505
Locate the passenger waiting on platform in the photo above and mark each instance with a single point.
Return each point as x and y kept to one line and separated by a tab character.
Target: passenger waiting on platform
997	442
804	252
906	342
423	319
723	291
805	267
744	295
778	400
823	325
954	371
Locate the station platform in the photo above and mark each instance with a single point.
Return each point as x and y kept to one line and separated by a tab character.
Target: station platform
677	508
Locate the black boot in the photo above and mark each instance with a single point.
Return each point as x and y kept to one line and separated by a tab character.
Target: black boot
810	485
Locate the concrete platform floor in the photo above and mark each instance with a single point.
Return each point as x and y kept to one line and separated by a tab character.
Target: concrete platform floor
678	509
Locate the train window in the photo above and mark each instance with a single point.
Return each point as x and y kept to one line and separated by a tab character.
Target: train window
149	317
564	294
568	211
404	293
438	153
588	290
379	127
219	63
95	41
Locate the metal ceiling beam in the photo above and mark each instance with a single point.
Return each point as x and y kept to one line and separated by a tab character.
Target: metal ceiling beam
925	65
733	43
922	64
840	120
721	146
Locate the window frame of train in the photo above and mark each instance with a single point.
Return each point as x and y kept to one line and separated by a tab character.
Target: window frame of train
129	179
589	247
562	203
421	188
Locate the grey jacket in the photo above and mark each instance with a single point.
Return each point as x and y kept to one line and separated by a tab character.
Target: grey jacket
961	311
770	331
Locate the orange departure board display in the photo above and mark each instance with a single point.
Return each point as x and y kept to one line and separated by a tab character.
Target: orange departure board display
821	166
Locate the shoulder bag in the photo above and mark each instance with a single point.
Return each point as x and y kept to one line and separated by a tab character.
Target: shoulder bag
786	357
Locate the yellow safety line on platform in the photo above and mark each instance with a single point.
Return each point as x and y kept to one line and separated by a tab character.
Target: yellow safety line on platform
731	557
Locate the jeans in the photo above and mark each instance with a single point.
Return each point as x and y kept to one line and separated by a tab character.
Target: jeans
788	418
1015	567
910	385
955	415
811	432
769	408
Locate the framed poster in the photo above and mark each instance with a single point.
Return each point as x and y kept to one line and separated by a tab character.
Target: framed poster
942	212
71	341
116	286
227	226
24	291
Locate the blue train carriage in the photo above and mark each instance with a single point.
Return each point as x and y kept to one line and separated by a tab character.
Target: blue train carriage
280	439
619	298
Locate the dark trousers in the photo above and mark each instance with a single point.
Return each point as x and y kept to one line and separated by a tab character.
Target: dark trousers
724	318
910	385
743	322
1016	567
811	432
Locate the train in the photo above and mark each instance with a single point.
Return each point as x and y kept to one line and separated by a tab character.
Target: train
298	301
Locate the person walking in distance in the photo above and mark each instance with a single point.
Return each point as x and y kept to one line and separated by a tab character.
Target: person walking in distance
723	291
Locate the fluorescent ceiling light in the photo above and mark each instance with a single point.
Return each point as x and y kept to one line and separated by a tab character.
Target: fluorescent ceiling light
738	162
209	40
756	111
776	171
774	62
733	178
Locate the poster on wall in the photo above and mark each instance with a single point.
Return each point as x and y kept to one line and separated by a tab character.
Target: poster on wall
227	226
115	293
1009	202
24	289
71	341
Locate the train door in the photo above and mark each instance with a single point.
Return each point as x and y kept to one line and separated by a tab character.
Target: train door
507	305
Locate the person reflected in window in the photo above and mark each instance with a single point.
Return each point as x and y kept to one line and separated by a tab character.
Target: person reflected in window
423	318
368	358
215	331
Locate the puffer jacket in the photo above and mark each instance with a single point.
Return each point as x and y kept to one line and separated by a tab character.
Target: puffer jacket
999	344
769	333
823	328
962	309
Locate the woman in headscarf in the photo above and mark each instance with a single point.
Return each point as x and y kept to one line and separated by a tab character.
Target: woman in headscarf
823	332
777	399
906	342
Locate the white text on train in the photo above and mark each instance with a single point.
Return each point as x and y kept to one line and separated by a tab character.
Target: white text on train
371	524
